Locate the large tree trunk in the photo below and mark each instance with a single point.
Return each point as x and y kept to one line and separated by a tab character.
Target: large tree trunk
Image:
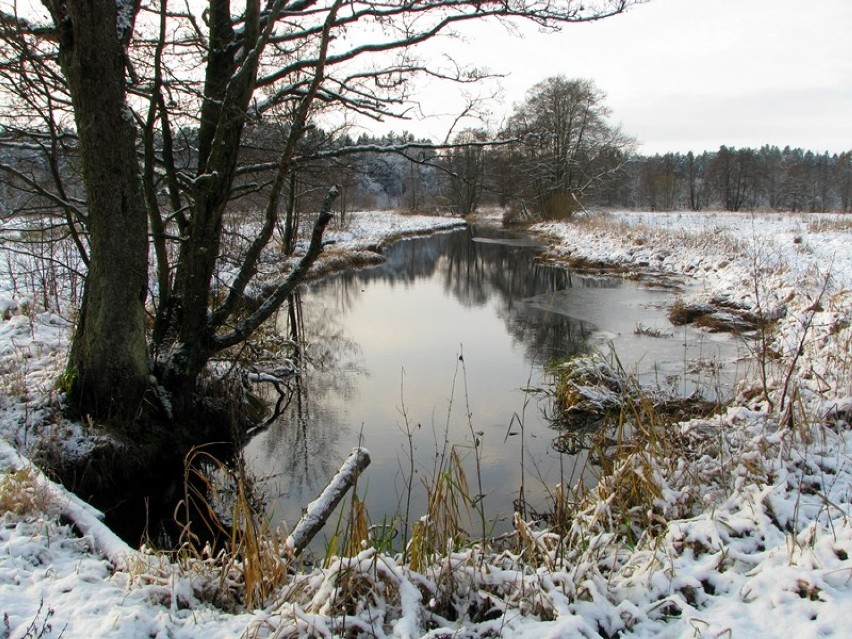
184	330
108	363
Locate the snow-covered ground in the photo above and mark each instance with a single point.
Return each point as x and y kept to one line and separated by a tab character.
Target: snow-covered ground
731	526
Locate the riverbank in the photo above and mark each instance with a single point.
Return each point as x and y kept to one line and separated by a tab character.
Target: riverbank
745	515
360	239
739	264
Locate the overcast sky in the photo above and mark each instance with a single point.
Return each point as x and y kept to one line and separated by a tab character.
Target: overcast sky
686	75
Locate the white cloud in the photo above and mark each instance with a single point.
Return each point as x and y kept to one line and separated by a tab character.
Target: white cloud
683	75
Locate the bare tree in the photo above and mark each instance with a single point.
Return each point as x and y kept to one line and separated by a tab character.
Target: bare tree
734	174
569	148
159	97
843	181
465	171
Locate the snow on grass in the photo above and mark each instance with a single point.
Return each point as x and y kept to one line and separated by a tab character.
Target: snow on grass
732	526
723	251
368	229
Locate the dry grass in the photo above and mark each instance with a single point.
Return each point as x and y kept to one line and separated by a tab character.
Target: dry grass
603	221
653	232
247	555
352	534
711	239
649	331
830	225
440	530
631	440
681	313
21	494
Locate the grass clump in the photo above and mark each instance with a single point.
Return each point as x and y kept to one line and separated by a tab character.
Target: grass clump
440	530
826	224
631	441
21	494
681	313
226	536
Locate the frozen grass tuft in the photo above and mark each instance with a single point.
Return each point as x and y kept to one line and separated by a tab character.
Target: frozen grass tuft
21	494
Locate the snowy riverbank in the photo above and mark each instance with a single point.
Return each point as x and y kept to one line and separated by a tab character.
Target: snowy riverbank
747	522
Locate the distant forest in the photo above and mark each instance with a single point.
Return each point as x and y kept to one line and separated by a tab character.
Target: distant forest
767	178
462	180
417	176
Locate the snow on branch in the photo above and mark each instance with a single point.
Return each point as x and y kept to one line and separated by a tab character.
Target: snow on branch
248	325
319	510
85	517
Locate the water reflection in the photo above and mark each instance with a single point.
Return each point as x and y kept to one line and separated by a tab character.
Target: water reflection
480	266
380	354
290	454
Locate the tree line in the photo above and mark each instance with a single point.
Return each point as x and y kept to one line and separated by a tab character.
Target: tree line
769	178
462	179
466	179
557	154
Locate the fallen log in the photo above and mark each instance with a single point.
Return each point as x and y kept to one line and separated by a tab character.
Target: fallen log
319	510
87	519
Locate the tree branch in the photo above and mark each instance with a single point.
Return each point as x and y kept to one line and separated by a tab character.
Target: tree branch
297	129
247	326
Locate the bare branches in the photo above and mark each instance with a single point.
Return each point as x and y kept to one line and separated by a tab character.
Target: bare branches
284	168
569	146
247	326
398	29
402	148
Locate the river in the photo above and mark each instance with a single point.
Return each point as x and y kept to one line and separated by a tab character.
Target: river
442	346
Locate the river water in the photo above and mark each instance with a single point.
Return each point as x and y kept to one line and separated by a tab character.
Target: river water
439	347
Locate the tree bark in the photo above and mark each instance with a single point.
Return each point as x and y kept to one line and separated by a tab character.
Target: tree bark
108	362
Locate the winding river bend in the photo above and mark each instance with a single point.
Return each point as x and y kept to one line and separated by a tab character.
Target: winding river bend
439	343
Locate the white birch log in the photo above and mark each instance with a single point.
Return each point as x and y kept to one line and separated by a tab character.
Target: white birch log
85	517
319	510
